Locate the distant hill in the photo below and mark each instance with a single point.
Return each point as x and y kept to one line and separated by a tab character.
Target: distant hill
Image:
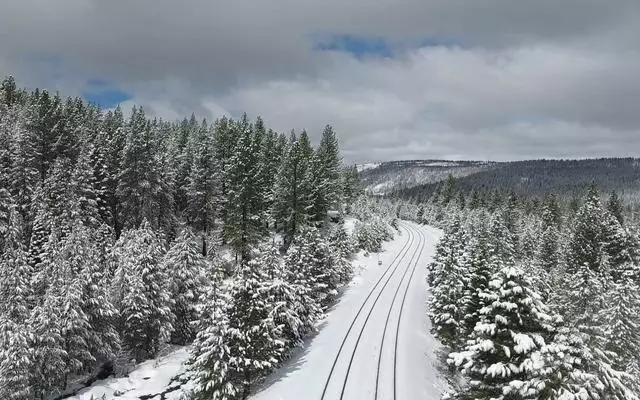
535	177
390	176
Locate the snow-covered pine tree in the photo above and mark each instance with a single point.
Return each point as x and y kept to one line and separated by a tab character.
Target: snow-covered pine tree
82	188
480	264
270	159
351	188
93	247
309	263
293	306
548	254
15	352
582	301
16	361
211	363
113	135
23	175
448	251
448	278
245	210
614	205
15	272
501	239
41	122
9	92
51	214
142	293
342	246
49	367
621	317
503	358
243	346
327	163
293	188
186	267
183	147
587	240
202	185
141	190
225	136
529	234
551	214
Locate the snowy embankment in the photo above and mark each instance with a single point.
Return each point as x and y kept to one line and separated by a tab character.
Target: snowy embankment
149	378
374	343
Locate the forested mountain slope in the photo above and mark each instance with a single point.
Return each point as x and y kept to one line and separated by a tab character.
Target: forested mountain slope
388	176
565	178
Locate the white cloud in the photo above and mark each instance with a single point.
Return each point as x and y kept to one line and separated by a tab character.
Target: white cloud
534	79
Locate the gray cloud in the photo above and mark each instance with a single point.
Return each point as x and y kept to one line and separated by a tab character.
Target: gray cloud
532	79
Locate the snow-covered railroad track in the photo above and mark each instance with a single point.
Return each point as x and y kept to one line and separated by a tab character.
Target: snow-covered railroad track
415	260
397	260
408	366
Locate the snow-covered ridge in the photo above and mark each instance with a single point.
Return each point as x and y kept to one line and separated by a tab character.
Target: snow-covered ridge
366	166
393	175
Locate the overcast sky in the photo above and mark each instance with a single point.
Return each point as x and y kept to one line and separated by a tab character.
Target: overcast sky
398	79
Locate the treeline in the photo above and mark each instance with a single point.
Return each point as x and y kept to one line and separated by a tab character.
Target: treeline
535	302
118	235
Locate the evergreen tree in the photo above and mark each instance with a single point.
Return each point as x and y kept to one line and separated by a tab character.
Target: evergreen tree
448	278
141	190
24	175
213	365
9	93
293	307
270	158
243	348
502	244
326	165
15	273
342	246
582	302
294	188
46	339
202	185
596	233
16	362
614	205
449	190
503	357
186	266
142	293
481	265
186	144
245	208
620	313
350	184
309	263
551	215
114	138
91	248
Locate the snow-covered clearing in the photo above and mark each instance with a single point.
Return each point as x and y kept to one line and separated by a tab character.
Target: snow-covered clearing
383	308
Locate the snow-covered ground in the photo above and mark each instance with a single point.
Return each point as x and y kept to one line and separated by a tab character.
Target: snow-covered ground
150	377
383	308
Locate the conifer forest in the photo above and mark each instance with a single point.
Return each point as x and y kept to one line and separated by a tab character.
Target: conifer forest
124	237
120	235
